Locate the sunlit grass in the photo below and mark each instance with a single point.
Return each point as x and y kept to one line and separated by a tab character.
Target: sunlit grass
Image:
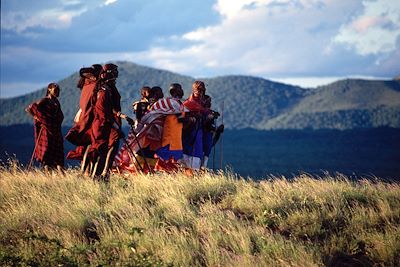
210	219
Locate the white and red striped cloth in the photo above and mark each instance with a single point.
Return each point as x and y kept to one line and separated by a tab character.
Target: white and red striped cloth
150	126
167	105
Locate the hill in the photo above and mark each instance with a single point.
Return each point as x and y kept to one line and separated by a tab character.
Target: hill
249	102
205	220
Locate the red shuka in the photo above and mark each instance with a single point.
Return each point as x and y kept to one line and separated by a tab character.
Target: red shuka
48	137
103	119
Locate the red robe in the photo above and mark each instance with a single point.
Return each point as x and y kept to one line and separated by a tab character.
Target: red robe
79	134
48	137
102	121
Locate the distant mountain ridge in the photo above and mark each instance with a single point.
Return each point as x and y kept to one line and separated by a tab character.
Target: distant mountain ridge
249	102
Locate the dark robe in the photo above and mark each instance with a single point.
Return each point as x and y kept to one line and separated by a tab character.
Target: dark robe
48	137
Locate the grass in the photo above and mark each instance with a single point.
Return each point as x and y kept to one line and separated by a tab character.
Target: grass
210	219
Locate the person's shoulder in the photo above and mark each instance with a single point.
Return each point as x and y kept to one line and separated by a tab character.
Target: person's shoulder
42	101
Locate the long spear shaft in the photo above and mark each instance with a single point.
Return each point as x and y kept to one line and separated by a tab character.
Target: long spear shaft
34	149
141	151
220	144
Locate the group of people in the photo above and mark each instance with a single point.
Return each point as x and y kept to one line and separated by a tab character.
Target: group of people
166	135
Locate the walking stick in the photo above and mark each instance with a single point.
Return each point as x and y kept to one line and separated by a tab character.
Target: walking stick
34	149
140	149
133	154
214	158
220	144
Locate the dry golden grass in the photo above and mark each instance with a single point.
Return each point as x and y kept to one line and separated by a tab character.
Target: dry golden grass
205	220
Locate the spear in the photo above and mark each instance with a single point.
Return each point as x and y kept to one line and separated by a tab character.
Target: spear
34	149
220	144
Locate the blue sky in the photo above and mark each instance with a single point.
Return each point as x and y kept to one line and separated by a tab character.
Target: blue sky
302	42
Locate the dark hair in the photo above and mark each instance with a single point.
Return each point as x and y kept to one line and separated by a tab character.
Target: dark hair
175	90
109	72
145	89
51	86
81	83
97	70
207	101
156	93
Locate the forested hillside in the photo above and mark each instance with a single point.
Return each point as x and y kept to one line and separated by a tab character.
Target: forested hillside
249	102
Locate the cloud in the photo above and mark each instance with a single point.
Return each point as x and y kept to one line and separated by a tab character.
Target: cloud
109	2
266	39
202	38
47	14
284	38
105	26
374	31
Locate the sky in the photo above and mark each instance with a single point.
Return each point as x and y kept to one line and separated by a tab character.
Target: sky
300	42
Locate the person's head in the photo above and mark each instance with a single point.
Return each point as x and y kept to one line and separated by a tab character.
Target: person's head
207	101
156	93
53	90
175	90
97	68
198	89
109	72
145	92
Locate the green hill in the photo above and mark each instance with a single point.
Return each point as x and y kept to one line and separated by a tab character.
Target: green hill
249	102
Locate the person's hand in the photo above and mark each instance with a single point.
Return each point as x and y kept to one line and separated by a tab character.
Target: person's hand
129	120
220	128
192	120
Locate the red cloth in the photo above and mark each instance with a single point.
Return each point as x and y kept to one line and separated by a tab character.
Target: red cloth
79	134
48	137
102	122
86	105
77	153
194	104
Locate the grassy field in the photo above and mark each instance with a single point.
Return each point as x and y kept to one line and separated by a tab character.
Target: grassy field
203	220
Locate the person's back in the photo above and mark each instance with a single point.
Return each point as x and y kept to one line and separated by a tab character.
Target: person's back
141	107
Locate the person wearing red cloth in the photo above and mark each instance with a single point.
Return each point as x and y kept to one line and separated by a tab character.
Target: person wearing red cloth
105	129
192	134
48	116
79	134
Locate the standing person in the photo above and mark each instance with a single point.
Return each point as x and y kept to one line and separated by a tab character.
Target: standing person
211	132
192	135
171	143
109	77
154	134
103	119
48	116
142	106
79	134
145	139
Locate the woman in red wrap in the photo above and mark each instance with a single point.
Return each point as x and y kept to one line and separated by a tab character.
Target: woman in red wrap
192	134
49	146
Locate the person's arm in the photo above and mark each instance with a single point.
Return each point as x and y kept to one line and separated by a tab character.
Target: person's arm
34	109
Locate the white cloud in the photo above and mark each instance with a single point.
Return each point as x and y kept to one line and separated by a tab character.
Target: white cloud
313	82
261	40
203	38
375	30
109	2
44	14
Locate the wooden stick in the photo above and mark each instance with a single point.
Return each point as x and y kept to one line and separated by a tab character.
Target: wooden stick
34	149
220	143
